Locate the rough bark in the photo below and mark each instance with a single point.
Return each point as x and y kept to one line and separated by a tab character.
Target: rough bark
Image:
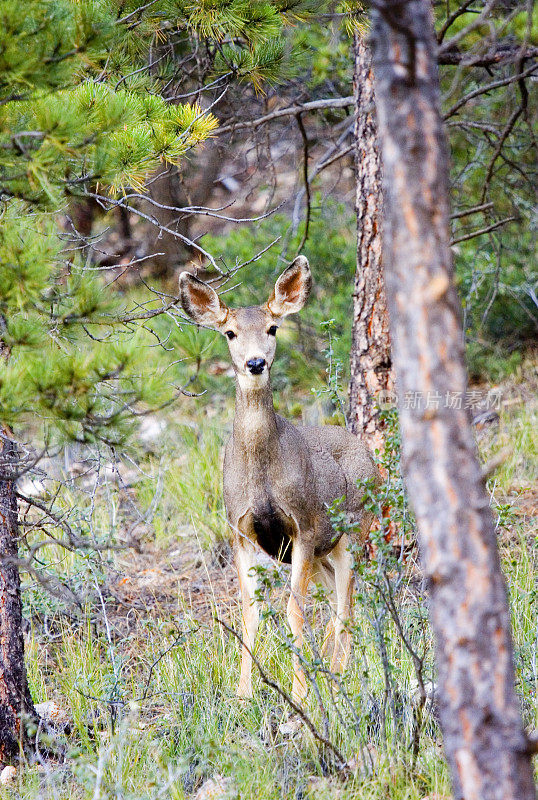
370	349
15	698
485	744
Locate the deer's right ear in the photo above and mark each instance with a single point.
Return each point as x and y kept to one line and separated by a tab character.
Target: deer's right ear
200	302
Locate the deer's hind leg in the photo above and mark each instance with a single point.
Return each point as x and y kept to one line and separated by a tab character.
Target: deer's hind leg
324	573
344	579
245	560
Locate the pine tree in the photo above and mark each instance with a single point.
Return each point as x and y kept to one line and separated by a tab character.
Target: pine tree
239	46
486	748
79	109
65	124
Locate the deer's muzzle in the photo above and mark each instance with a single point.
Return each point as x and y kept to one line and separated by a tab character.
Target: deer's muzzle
256	365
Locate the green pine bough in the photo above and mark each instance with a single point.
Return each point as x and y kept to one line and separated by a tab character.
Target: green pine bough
79	112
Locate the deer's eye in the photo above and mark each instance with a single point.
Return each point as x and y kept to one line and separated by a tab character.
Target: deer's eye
272	330
230	334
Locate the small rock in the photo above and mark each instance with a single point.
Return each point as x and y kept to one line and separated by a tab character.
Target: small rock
485	418
214	788
53	714
32	487
150	431
429	688
8	775
230	183
291	727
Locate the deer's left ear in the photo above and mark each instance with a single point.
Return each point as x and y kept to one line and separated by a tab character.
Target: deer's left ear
291	289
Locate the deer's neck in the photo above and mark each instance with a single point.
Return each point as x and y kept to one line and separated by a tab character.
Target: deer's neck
255	432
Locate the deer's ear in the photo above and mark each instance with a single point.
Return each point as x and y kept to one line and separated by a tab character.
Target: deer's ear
291	289
200	302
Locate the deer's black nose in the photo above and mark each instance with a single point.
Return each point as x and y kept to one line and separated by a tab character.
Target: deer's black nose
256	365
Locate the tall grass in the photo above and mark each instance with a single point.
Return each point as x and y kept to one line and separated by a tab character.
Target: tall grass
152	698
178	722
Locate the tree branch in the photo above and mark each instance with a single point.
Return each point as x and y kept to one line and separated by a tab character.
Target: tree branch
502	55
469	211
481	231
306	182
488	87
290	111
285	696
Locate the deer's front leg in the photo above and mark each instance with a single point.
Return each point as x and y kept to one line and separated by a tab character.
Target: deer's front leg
301	571
245	560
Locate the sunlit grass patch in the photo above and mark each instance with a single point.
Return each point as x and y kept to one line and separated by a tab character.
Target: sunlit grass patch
191	496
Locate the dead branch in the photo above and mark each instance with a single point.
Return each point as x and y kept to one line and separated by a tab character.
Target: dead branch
109	202
477	21
503	137
451	19
481	231
503	55
304	137
286	697
469	211
290	111
488	88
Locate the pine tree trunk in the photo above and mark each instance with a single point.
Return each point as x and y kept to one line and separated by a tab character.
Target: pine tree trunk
370	349
484	741
15	698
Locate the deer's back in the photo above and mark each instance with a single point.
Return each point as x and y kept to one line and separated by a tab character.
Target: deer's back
348	451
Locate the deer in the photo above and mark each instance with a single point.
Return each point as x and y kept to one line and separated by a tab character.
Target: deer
279	479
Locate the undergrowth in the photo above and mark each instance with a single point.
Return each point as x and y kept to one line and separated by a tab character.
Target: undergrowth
150	692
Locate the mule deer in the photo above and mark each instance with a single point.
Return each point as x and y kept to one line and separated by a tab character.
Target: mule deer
279	478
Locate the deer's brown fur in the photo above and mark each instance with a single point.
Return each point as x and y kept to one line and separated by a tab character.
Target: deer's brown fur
279	478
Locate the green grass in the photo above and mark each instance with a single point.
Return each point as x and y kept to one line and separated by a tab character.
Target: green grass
179	723
152	699
520	470
190	726
193	493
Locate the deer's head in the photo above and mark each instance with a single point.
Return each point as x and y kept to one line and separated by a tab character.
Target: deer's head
251	332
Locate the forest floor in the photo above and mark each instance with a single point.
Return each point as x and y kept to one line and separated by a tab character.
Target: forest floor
144	673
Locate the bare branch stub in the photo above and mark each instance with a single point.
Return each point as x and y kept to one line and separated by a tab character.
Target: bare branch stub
306	179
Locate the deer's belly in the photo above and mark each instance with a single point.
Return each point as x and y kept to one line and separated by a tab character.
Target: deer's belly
272	530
